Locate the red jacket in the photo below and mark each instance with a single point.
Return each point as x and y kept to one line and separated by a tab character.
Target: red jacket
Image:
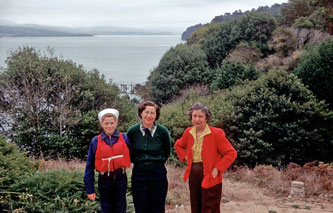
214	146
104	151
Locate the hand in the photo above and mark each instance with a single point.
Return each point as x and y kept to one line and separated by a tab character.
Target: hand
92	196
185	158
215	172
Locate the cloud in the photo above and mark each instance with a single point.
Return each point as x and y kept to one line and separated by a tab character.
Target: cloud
125	13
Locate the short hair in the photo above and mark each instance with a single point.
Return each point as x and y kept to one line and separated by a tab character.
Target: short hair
142	106
108	115
202	107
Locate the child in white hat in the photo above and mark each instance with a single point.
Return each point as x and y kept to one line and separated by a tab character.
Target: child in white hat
108	154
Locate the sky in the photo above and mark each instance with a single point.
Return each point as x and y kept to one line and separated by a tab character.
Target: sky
174	15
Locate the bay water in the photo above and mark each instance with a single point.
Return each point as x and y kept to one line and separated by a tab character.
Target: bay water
121	58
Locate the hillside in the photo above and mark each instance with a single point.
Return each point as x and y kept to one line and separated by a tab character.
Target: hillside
274	11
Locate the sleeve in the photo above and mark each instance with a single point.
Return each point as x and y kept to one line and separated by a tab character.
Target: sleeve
227	150
127	149
127	141
129	135
89	174
167	144
181	147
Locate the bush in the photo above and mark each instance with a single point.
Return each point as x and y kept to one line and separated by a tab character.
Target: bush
276	120
283	42
303	22
232	73
315	69
13	164
180	67
50	191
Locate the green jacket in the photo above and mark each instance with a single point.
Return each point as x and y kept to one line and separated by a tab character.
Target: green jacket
147	151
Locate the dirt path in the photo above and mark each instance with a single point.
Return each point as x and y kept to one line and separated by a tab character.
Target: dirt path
240	197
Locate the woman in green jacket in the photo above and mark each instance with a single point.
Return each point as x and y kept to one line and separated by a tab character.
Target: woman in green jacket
151	144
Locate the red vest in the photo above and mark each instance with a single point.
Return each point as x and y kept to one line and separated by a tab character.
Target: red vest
109	158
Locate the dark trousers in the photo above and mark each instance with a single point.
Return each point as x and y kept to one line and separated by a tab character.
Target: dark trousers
149	188
203	200
112	190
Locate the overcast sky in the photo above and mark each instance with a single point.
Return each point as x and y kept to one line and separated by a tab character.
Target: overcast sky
145	14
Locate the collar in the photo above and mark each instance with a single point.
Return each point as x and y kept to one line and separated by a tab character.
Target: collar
151	129
115	134
206	131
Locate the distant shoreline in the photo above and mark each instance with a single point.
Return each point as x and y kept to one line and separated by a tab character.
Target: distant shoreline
40	31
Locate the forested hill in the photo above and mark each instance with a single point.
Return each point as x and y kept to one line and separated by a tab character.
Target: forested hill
273	11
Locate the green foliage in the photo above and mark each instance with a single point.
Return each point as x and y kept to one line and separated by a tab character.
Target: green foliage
253	27
276	120
53	103
13	164
218	43
256	27
181	66
294	9
199	36
231	73
315	14
315	69
303	22
50	191
272	120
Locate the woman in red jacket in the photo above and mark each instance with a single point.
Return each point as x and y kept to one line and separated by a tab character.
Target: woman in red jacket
208	154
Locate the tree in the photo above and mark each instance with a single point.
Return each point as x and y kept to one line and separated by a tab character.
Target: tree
253	28
232	73
199	36
294	9
315	14
46	100
218	43
315	69
180	67
275	120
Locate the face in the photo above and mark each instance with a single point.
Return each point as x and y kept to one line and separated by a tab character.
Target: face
148	116
199	119
109	125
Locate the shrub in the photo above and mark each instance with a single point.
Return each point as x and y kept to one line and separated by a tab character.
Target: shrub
276	120
283	42
315	69
232	73
13	164
303	22
50	191
180	67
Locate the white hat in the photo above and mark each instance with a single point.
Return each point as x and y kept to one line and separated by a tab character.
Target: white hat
108	111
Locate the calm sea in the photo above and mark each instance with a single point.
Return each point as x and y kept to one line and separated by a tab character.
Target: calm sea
122	58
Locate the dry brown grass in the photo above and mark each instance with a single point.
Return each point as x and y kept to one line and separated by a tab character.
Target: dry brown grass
61	164
178	191
317	177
